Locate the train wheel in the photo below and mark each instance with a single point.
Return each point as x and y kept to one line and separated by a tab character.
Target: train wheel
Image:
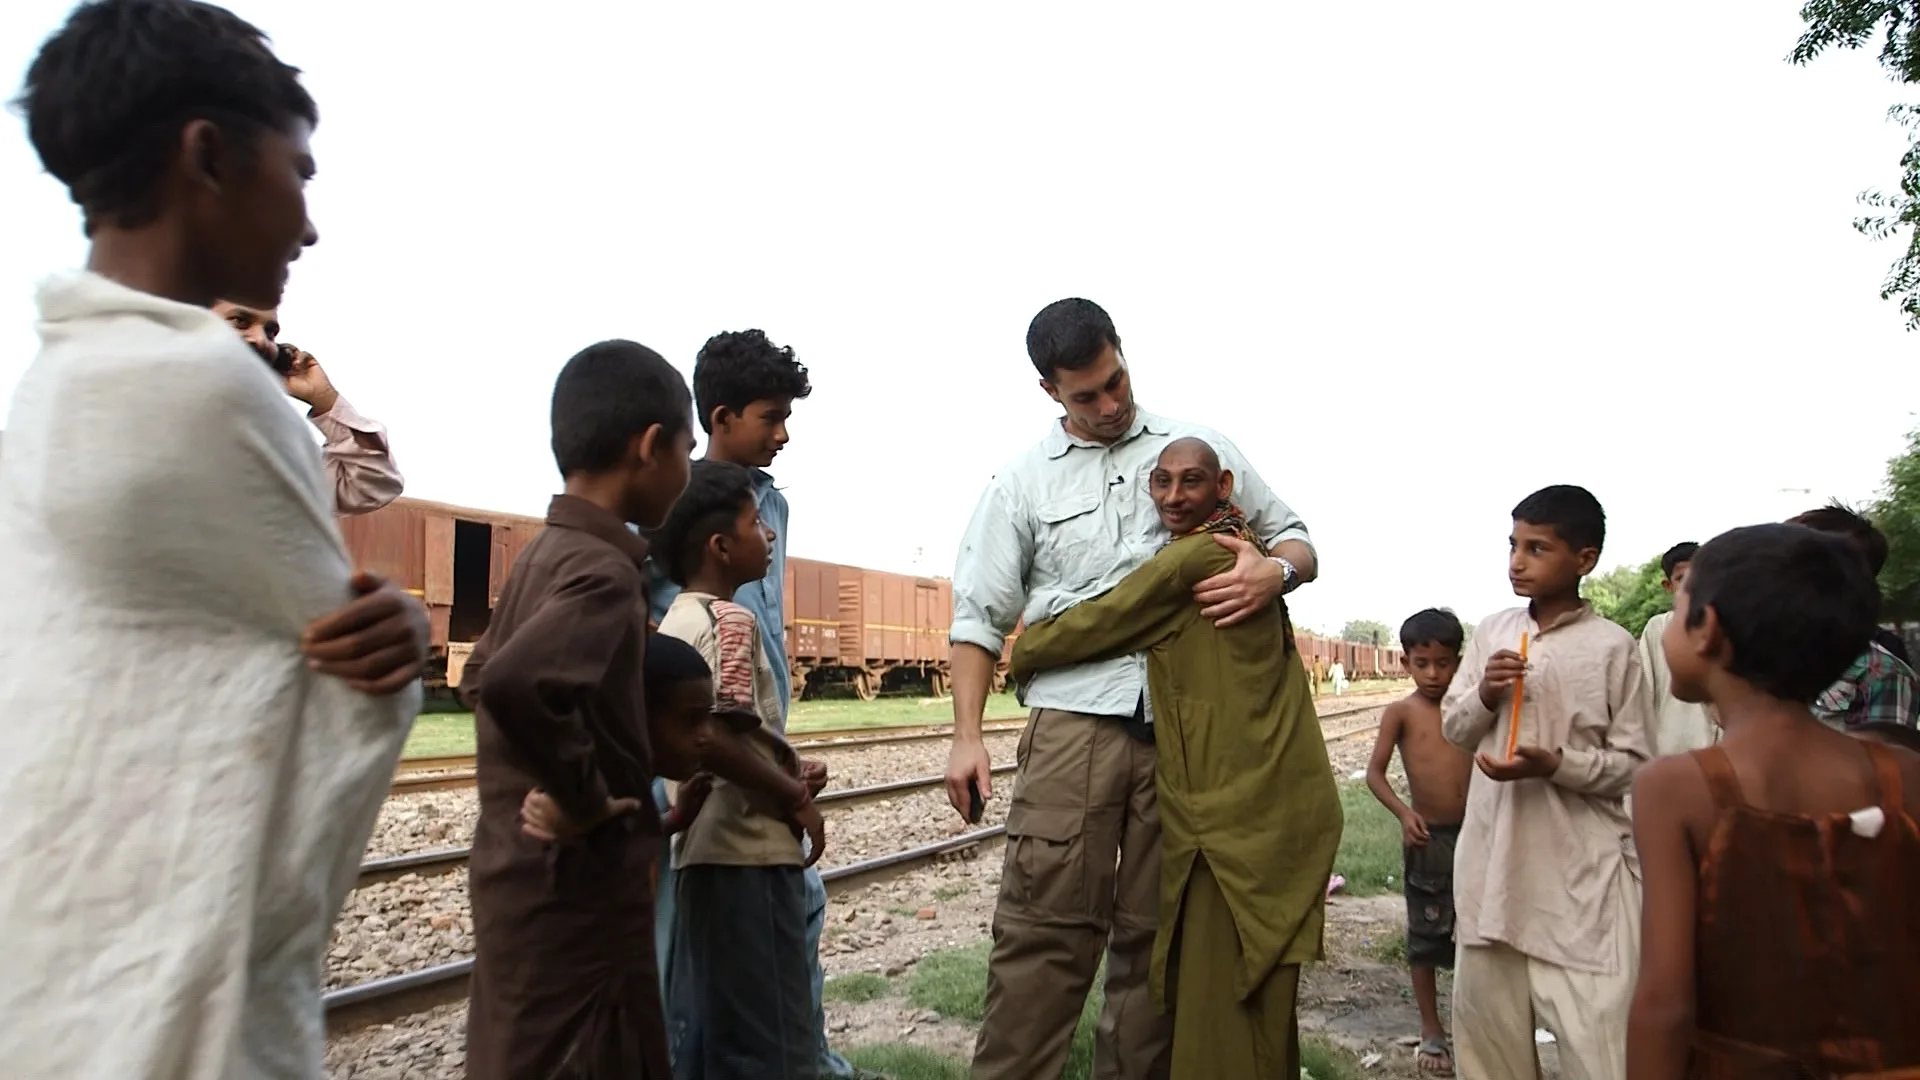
866	686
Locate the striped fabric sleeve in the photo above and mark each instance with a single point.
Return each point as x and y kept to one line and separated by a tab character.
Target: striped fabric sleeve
733	675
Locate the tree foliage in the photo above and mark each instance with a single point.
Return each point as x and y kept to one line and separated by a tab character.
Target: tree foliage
1897	514
1629	595
1850	24
1367	632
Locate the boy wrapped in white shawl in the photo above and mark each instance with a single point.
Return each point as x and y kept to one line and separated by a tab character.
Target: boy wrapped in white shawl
186	802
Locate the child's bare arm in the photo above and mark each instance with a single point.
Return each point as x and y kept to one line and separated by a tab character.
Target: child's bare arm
1660	1026
1413	827
1383	747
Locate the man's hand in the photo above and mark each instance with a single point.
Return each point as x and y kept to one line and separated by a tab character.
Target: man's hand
1413	830
968	761
1504	668
542	819
806	820
307	381
814	775
1529	763
1235	595
377	643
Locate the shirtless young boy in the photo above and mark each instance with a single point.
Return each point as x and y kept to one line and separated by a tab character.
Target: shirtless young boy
1437	777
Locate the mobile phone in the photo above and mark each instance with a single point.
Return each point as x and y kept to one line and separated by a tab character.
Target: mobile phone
976	806
282	358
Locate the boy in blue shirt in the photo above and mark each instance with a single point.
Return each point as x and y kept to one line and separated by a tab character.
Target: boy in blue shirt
744	387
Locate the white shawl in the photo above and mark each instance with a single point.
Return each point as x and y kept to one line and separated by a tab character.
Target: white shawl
183	805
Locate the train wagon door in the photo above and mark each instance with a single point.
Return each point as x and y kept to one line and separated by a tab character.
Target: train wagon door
472	560
437	575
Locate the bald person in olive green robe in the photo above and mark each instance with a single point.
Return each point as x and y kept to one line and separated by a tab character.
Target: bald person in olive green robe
1250	817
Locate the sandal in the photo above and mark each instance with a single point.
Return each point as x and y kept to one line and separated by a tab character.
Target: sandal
1435	1058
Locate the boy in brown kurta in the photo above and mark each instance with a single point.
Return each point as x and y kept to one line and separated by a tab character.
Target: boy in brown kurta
1249	814
564	978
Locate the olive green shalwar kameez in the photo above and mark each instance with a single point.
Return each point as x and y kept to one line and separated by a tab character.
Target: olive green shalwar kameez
1249	814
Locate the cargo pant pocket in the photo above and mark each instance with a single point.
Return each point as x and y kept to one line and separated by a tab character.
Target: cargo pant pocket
1047	866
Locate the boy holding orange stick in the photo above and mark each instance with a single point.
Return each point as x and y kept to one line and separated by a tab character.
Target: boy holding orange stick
1546	881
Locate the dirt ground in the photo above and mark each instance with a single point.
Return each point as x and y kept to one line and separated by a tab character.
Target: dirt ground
1355	997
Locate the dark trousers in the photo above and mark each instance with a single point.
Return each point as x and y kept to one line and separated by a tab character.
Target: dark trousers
740	989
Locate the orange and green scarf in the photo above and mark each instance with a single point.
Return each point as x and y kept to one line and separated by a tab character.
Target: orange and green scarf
1227	518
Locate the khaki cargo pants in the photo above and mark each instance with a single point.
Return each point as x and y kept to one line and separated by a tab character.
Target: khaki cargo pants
1082	877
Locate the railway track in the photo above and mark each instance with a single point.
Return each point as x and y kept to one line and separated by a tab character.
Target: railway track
451	772
454	771
380	1001
447	860
384	1000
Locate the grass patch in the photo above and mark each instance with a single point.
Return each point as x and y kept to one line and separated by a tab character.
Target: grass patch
440	734
1322	1060
804	716
857	987
954	983
1371	857
1390	950
952	890
907	1062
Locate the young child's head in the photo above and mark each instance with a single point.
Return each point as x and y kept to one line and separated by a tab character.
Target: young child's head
1837	520
1187	483
622	428
714	533
745	387
1781	608
1675	563
1432	640
184	142
679	706
1557	535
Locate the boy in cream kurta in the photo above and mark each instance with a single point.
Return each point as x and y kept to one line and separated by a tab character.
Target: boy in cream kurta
1675	726
1546	882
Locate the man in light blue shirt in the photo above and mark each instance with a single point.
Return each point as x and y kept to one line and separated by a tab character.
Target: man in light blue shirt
744	388
1064	523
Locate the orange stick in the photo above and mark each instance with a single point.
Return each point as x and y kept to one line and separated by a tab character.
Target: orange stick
1519	687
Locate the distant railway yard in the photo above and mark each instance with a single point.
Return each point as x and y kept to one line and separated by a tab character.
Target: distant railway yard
907	879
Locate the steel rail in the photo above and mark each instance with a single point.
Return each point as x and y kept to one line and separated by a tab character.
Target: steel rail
383	1000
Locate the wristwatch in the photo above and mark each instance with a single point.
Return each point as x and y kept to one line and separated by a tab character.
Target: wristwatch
1289	577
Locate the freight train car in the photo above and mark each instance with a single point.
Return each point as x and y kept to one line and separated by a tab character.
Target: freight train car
869	630
453	558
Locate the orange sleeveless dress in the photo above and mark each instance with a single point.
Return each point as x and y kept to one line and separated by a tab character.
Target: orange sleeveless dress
1807	949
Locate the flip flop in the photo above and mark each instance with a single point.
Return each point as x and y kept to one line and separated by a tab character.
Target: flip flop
1431	1049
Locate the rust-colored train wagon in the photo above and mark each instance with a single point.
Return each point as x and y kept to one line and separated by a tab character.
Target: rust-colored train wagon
870	630
455	559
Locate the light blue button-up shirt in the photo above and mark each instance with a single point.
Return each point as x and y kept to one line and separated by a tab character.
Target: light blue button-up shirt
1064	523
766	598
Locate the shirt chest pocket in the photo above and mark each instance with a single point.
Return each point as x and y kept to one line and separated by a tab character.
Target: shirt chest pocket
1073	547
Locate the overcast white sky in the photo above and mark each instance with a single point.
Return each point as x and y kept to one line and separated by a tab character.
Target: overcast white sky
1415	259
